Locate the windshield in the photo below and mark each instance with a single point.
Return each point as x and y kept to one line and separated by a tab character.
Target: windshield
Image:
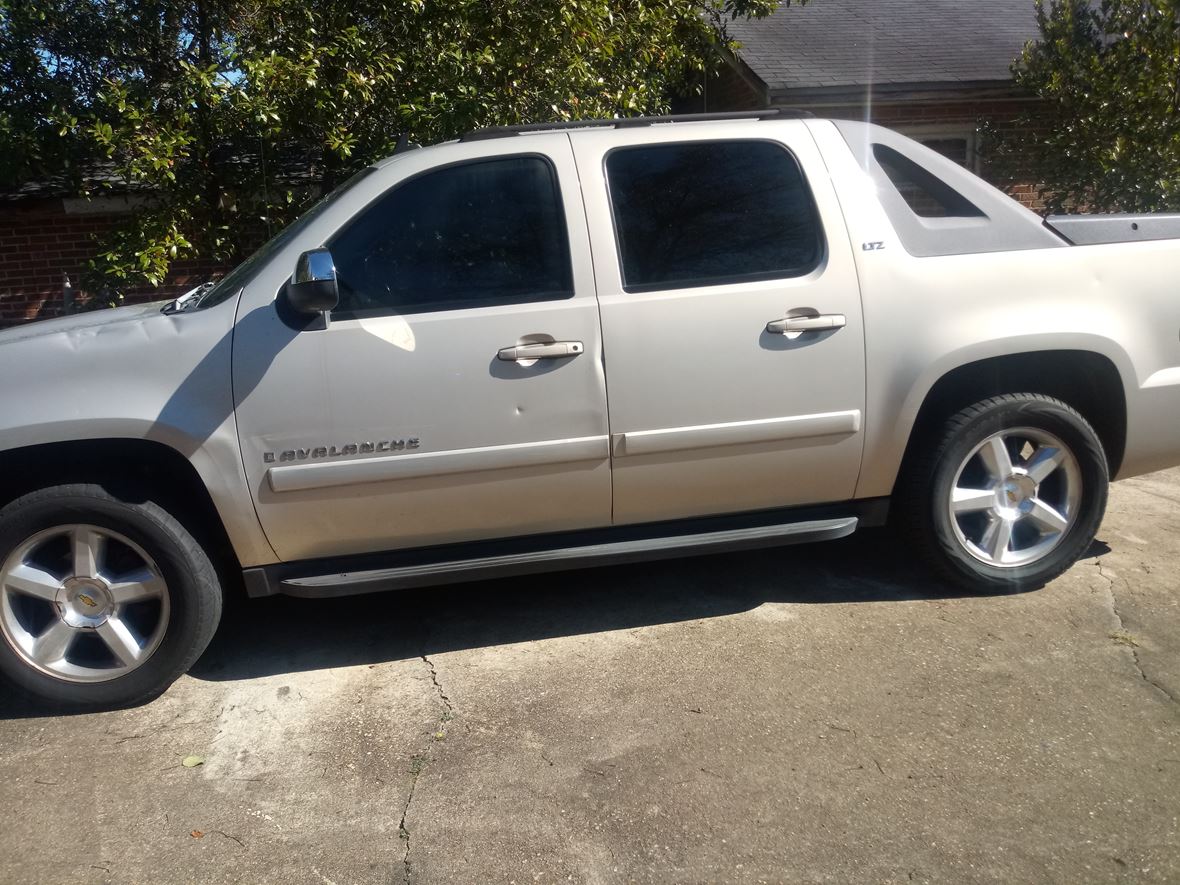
210	294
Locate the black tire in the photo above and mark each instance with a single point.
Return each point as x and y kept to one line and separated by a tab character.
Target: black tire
192	588
930	473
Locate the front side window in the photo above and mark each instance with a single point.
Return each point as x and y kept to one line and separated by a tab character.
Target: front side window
711	213
470	235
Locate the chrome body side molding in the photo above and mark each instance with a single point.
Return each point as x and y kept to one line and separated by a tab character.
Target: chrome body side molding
736	433
325	474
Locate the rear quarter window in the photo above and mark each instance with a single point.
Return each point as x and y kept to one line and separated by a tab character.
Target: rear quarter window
926	194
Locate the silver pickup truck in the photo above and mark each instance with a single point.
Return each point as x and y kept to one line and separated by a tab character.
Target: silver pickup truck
549	347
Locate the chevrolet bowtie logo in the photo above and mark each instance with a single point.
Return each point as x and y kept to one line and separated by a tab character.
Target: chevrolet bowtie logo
88	600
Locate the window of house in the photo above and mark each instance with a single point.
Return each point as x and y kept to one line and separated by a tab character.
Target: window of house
474	234
925	193
959	143
955	148
711	213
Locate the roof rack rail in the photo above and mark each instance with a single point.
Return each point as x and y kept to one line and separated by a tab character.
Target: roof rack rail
631	122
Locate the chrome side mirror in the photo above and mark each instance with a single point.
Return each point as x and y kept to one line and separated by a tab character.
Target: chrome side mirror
313	288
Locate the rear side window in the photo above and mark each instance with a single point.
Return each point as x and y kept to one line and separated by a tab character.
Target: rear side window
926	194
470	235
711	213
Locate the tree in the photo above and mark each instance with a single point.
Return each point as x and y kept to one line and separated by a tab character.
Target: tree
234	115
1108	135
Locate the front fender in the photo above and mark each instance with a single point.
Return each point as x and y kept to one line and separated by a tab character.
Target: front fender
135	373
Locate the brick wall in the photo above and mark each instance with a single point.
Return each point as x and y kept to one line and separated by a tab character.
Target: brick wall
723	90
728	90
39	241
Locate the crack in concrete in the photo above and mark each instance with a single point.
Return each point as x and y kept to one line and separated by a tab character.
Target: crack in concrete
442	695
402	832
418	764
1118	616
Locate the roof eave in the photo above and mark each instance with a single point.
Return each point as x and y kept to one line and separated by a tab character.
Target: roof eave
863	93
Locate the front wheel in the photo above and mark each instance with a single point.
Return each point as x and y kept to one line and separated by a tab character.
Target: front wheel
1010	495
104	602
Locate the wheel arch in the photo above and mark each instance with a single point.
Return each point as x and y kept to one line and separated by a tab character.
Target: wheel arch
128	468
1088	381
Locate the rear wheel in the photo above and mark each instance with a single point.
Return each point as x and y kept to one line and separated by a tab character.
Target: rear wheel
1010	496
103	601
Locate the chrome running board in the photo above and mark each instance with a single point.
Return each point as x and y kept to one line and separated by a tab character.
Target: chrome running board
265	581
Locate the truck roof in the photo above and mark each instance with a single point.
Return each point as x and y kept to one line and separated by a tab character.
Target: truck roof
633	122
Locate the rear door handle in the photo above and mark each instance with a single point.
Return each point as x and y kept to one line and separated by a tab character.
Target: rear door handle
822	323
553	351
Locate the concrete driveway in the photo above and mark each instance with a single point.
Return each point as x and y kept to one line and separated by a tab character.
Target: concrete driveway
822	714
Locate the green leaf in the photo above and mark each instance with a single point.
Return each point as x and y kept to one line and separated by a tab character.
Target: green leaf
1105	135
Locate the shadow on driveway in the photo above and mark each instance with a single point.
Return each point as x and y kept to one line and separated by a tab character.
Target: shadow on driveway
264	637
283	635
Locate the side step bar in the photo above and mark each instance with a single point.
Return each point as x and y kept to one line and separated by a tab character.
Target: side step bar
264	581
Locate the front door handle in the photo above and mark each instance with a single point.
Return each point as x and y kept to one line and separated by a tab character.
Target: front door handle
552	351
824	322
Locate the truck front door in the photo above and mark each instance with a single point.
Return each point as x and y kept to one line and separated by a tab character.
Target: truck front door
457	392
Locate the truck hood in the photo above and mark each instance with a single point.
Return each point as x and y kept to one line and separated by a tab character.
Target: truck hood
126	372
89	324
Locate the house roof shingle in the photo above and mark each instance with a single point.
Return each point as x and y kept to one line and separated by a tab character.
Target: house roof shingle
856	43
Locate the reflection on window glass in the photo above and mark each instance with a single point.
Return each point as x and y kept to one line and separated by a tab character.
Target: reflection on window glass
925	193
488	232
708	213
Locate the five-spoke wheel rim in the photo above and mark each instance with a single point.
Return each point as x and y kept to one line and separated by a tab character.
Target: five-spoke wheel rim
1015	497
82	603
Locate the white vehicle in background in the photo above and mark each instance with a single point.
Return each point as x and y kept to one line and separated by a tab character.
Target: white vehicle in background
549	347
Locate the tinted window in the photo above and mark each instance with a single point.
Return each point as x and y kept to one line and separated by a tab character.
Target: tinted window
925	193
490	232
706	213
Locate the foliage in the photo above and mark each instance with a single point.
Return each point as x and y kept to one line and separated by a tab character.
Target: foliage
1108	136
235	114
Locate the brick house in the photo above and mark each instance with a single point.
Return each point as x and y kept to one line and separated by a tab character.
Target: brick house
47	238
931	69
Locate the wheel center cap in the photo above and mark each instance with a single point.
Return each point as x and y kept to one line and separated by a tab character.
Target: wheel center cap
84	602
1015	494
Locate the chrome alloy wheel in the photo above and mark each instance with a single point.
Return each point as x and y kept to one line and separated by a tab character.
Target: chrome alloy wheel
82	603
1015	496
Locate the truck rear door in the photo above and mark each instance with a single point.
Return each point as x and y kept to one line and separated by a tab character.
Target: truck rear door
731	317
